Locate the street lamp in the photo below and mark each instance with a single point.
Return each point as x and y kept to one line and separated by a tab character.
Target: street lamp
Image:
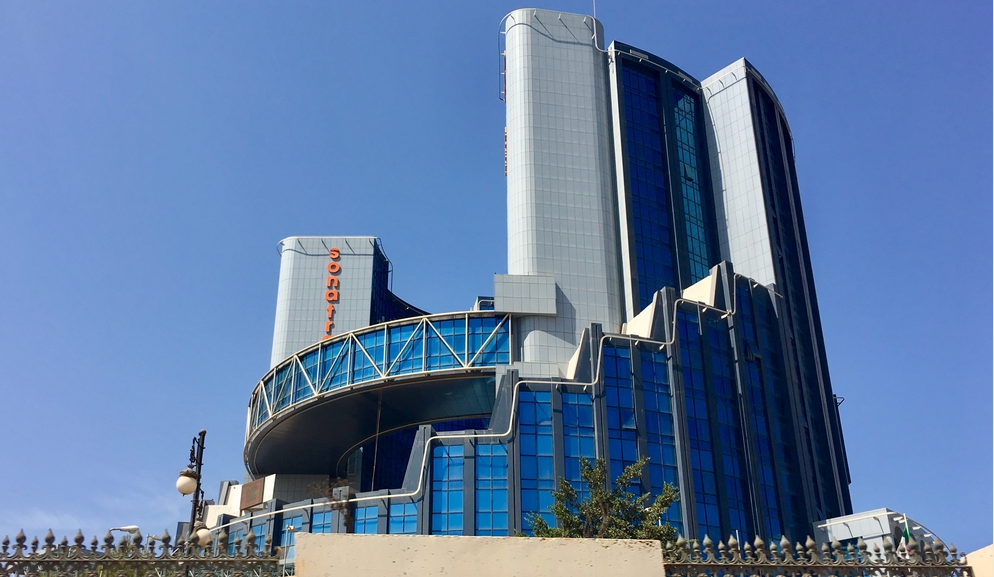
132	529
188	483
290	541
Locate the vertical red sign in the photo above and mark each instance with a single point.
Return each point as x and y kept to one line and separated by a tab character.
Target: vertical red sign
331	295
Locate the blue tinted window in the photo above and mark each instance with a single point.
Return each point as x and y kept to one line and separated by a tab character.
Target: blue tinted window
538	478
578	437
310	364
321	522
698	426
491	490
756	396
364	365
488	341
301	388
288	534
446	344
447	490
403	518
660	437
405	349
334	365
260	412
260	534
283	387
236	541
620	399
729	428
647	178
365	519
692	178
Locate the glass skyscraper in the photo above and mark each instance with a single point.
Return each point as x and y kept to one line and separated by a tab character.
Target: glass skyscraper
659	303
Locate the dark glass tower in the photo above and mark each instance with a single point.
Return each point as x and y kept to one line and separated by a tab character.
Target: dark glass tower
705	174
794	278
667	223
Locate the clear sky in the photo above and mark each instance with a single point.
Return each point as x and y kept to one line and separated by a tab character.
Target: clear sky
152	154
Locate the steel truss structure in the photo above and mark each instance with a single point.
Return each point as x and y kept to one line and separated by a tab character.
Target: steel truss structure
426	345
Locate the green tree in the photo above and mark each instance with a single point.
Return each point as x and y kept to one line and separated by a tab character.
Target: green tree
611	514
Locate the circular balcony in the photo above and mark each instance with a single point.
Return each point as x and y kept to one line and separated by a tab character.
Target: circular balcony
313	409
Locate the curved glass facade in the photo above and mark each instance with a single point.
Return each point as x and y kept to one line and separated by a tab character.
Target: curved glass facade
668	227
418	345
709	407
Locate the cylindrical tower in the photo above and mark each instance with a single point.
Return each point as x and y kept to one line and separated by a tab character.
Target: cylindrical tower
561	215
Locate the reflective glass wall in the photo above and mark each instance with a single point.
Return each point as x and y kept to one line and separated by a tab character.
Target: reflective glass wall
667	219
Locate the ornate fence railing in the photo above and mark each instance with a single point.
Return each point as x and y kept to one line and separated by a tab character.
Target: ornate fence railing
158	558
133	558
693	559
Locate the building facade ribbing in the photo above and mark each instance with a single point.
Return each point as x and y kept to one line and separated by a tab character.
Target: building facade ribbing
659	302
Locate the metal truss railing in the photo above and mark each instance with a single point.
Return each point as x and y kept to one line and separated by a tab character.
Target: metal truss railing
689	559
133	558
427	344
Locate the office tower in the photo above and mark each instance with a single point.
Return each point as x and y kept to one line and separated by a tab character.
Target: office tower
754	152
560	191
330	285
667	224
659	303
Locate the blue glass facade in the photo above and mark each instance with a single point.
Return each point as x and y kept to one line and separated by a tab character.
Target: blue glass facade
479	340
384	305
403	519
578	437
365	519
670	237
447	490
770	407
660	432
785	224
699	439
648	182
620	399
692	182
235	539
535	456
726	404
491	490
321	522
711	411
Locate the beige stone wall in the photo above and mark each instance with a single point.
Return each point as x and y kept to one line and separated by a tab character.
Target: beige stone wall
982	561
424	555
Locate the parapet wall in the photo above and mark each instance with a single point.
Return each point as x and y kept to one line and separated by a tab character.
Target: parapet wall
333	555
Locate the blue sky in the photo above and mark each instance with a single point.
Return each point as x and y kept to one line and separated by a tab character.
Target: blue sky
153	154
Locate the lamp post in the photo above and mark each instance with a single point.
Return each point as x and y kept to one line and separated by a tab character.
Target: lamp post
189	484
132	530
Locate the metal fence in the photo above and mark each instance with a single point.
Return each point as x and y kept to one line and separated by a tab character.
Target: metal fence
159	558
134	558
693	559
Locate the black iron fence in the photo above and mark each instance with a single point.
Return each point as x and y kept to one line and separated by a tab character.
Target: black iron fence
694	559
131	557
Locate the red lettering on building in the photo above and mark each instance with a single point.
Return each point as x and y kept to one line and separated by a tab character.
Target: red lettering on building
331	295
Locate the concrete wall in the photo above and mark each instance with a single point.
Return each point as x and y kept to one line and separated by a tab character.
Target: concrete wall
424	555
982	561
